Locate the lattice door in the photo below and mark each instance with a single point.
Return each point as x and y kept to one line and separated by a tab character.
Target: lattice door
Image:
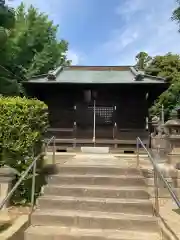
104	115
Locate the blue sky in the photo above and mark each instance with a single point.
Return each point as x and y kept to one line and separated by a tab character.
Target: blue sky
112	32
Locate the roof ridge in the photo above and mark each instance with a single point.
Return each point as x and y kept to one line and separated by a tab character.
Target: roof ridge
133	70
143	74
100	66
53	74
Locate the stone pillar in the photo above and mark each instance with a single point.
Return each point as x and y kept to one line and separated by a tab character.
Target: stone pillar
7	175
173	134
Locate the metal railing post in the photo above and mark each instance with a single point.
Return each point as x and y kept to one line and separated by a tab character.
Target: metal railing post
44	148
54	151
137	151
33	186
33	166
158	175
74	134
156	192
162	114
94	124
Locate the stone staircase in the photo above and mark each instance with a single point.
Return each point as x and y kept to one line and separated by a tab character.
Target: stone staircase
94	200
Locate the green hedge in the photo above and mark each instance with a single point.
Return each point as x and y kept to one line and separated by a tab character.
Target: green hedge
23	123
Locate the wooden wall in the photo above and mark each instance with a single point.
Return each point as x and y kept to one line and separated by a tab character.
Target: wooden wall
129	104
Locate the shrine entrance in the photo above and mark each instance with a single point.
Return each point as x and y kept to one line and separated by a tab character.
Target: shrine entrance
95	119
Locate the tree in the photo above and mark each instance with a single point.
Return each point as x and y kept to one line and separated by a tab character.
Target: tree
167	66
176	14
35	47
32	47
142	59
7	21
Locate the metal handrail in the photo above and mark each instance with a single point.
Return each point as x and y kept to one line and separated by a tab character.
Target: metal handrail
157	173
24	174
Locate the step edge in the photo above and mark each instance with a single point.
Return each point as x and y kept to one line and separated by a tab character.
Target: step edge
98	176
57	229
94	199
94	214
96	166
74	186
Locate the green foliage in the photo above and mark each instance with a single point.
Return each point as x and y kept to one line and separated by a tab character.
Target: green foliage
7	19
142	59
170	99
167	66
32	47
176	14
22	125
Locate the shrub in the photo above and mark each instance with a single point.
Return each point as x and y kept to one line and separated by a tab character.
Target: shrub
23	123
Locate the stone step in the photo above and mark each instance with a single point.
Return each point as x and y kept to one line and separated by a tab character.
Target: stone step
91	179
100	170
97	191
94	220
132	206
65	233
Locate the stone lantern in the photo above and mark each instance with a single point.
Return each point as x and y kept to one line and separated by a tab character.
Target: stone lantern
172	127
159	143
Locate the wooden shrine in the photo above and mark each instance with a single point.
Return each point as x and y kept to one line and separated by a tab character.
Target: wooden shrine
97	103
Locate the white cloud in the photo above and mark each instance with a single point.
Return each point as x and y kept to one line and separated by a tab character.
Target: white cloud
128	7
128	37
73	56
147	26
120	40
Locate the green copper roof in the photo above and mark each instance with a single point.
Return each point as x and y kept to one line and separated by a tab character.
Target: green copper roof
97	75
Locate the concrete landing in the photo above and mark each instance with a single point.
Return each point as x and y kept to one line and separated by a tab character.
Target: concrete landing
96	159
97	150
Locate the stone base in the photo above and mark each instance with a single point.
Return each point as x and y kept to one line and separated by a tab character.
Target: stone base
96	150
159	155
7	174
173	159
167	170
4	216
159	142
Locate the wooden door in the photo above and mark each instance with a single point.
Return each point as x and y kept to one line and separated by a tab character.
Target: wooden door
104	120
84	120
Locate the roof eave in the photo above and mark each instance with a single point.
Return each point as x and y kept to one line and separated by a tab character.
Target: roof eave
139	76
66	82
